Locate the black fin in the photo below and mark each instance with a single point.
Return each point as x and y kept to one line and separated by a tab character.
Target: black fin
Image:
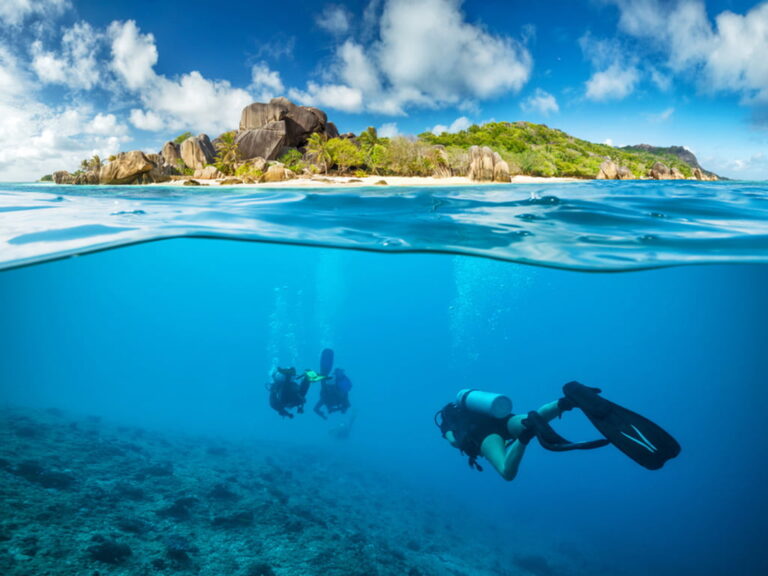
645	442
551	440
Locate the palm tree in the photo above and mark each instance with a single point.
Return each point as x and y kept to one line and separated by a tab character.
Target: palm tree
228	153
317	147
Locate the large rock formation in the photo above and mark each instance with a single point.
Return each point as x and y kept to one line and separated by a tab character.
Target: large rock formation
265	142
267	128
198	151
126	168
277	173
171	153
485	165
660	171
610	171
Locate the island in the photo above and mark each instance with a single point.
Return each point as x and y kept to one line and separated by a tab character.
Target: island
279	142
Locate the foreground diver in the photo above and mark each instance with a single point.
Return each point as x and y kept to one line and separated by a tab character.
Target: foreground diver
481	424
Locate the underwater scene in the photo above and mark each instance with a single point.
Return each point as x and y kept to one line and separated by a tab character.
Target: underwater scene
140	433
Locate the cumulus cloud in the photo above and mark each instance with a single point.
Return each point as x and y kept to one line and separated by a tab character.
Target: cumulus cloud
134	55
616	74
614	83
338	96
75	65
36	138
461	123
15	12
334	19
189	102
265	82
726	57
388	130
542	102
401	68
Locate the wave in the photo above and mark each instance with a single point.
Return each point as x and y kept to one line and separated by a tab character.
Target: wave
594	226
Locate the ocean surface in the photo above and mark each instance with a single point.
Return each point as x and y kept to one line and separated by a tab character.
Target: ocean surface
657	293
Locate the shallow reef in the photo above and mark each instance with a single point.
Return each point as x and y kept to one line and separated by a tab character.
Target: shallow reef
82	497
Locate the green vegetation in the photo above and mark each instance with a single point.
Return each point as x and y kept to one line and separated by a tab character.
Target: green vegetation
537	150
47	178
183	168
181	137
293	160
227	153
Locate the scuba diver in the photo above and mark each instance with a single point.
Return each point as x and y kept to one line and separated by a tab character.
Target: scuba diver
287	391
343	429
482	424
334	394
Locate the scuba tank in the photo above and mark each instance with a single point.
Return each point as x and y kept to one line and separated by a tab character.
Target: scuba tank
488	403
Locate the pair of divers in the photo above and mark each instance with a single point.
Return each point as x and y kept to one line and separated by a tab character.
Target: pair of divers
289	390
482	424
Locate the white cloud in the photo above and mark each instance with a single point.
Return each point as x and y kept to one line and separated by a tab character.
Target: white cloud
338	96
662	116
146	120
334	19
191	102
265	82
36	138
614	83
461	123
76	65
402	68
14	12
608	142
729	57
105	125
616	75
134	55
542	102
388	130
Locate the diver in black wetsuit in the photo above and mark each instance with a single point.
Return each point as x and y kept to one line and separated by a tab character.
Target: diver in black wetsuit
286	391
482	424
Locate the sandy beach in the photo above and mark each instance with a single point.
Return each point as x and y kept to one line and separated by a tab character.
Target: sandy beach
366	181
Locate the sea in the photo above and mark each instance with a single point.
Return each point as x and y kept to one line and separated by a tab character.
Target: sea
139	327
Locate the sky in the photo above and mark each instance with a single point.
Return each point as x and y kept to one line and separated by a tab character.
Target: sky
84	77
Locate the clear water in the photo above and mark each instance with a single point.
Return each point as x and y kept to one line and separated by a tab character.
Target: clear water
182	335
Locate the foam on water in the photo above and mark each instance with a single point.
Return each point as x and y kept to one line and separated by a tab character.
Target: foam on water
595	225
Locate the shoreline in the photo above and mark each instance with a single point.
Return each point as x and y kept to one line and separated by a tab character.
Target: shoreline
369	181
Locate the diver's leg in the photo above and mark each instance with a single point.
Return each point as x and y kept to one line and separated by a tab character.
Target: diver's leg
505	459
318	410
548	412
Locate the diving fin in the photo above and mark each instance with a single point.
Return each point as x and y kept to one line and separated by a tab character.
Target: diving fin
645	442
326	362
551	440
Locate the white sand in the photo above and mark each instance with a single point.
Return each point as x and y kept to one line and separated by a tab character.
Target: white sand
352	182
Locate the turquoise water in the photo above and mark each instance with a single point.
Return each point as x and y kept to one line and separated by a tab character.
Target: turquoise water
182	334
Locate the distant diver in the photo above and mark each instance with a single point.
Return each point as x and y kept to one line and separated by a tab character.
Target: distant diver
482	424
342	430
287	391
334	387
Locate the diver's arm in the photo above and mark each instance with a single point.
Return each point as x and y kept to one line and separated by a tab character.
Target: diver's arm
451	438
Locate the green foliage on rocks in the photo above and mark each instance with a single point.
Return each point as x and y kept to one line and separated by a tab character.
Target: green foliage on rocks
227	153
293	160
181	137
537	150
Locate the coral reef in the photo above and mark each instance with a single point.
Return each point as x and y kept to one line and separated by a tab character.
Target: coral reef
79	497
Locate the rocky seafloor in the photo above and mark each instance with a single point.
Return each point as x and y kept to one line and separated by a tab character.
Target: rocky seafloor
83	497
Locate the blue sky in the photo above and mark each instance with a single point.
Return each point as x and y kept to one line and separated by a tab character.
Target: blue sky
79	77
